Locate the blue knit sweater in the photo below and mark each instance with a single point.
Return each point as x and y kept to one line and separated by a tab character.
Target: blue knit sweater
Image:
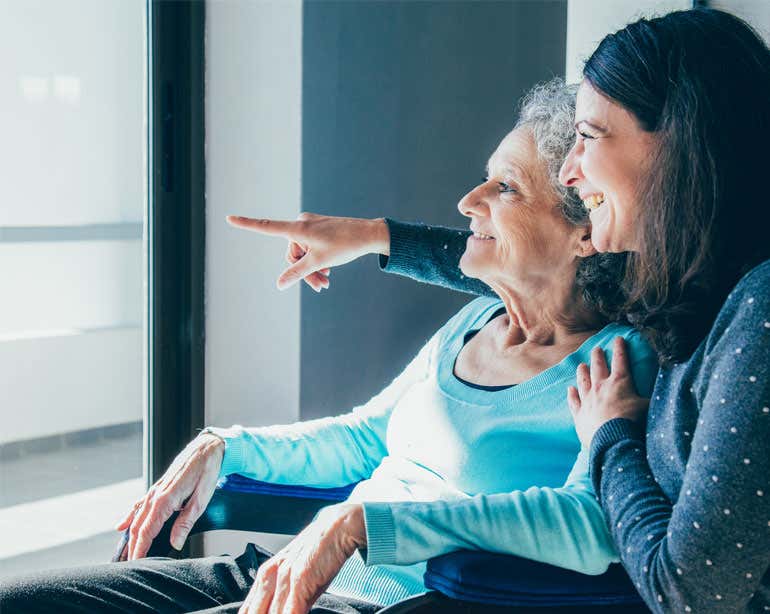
689	500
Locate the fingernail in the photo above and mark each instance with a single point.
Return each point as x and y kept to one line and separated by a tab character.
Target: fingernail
177	543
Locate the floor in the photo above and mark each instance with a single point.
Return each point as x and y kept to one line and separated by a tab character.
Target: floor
58	508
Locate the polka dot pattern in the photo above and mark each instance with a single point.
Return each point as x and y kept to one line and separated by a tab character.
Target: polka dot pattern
707	435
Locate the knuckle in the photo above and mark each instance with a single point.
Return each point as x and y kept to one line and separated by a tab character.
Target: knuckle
185	524
284	575
161	502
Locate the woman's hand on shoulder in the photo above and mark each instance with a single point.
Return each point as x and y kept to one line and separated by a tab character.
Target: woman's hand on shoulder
292	580
186	486
319	242
603	394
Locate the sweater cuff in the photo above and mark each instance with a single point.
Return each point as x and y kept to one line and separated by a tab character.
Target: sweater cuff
610	433
232	461
380	534
406	240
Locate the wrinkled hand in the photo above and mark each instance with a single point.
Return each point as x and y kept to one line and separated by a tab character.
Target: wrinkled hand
602	395
319	242
187	485
292	580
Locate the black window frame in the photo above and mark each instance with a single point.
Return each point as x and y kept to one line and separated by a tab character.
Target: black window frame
176	229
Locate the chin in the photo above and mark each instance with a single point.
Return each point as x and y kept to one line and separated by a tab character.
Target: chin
600	238
468	267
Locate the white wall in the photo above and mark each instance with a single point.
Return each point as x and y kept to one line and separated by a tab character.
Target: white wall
253	155
588	21
755	12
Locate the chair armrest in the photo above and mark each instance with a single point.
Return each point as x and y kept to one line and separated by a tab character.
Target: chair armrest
243	504
506	580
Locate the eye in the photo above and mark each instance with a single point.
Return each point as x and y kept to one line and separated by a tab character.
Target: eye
504	187
585	135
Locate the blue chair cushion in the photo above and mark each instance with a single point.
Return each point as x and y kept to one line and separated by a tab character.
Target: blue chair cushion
238	483
499	579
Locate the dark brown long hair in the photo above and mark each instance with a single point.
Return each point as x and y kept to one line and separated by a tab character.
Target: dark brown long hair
699	79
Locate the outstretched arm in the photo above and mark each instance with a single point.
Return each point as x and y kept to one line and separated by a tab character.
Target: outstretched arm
318	242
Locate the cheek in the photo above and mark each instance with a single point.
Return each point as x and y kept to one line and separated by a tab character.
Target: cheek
524	242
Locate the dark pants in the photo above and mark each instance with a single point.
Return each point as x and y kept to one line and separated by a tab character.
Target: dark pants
152	585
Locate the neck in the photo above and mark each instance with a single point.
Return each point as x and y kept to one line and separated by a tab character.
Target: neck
544	314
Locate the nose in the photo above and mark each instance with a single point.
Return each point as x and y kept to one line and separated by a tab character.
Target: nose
570	173
473	203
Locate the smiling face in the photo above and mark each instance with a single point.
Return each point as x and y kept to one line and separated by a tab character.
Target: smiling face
608	165
520	233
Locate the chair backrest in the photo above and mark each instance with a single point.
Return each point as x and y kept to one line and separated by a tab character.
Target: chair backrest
503	579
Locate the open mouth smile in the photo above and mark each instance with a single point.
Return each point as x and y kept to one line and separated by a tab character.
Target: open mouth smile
593	202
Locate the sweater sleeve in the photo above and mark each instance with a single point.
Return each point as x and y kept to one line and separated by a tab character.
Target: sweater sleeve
430	254
326	452
707	550
562	526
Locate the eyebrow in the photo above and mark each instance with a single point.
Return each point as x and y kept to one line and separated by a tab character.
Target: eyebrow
596	127
520	174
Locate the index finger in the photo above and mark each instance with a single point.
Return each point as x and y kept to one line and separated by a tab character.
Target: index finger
278	228
148	531
620	366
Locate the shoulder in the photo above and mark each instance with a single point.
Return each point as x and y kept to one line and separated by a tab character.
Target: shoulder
746	311
639	350
475	312
642	359
472	315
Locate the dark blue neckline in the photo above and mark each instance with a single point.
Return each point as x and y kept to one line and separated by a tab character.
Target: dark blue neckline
470	335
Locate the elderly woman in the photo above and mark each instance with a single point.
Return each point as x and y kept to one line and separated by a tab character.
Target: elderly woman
471	446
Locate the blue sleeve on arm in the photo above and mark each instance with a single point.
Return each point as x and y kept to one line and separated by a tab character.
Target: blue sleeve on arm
430	254
562	526
326	452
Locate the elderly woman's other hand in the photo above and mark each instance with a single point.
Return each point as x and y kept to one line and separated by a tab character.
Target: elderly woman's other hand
318	242
187	485
292	580
602	395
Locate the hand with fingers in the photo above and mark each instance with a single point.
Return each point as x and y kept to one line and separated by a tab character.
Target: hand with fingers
291	581
604	394
319	242
187	486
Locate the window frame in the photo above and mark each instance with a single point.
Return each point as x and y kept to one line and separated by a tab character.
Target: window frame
175	230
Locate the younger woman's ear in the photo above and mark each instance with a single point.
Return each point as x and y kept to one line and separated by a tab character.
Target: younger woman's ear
585	247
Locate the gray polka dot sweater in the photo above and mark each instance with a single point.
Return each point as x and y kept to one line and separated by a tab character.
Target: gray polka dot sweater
688	501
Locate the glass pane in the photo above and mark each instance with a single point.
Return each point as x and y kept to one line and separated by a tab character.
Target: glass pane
72	262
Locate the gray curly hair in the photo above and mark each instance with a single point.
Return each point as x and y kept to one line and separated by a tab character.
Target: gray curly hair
548	110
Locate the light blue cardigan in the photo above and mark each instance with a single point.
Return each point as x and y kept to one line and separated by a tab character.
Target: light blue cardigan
443	466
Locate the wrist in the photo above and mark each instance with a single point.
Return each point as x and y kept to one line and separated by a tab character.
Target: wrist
380	236
355	525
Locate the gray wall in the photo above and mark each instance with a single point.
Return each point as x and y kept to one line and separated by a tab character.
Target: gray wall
402	104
